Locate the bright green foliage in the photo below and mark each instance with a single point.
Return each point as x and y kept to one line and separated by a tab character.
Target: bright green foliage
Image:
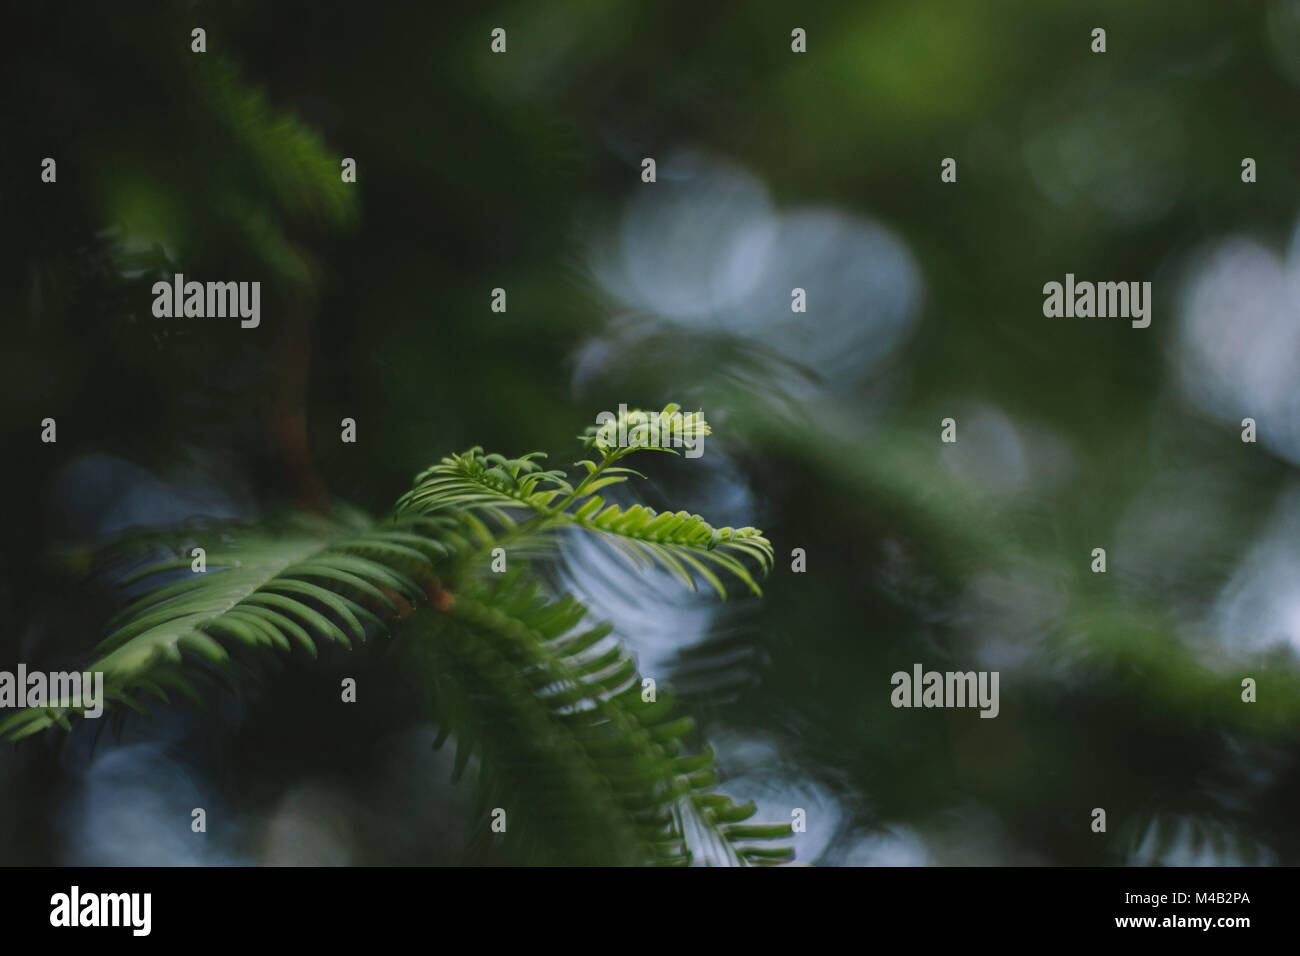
554	712
683	543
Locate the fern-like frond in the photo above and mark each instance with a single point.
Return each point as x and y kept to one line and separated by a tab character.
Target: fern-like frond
685	544
600	766
636	430
681	542
486	483
315	581
553	710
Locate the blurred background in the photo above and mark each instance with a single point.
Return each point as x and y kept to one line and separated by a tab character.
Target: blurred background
775	170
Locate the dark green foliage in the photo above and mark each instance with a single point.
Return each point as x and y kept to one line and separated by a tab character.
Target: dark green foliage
589	769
